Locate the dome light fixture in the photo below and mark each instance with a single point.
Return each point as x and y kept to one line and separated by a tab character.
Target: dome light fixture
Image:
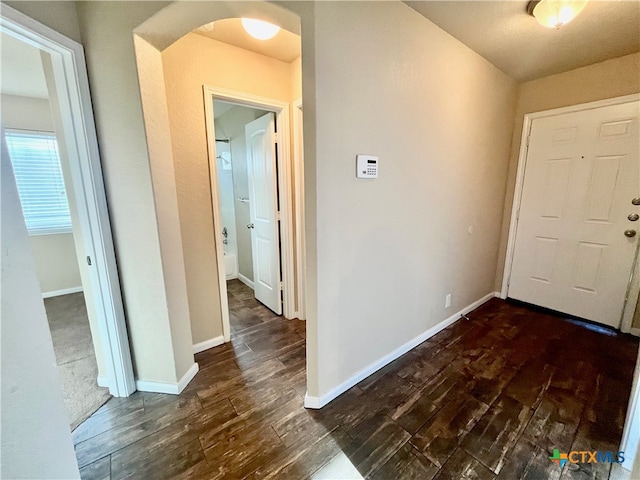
555	13
260	29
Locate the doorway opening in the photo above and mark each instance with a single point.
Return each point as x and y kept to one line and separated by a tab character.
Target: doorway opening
251	185
247	167
53	148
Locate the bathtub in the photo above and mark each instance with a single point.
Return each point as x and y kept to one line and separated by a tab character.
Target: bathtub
230	265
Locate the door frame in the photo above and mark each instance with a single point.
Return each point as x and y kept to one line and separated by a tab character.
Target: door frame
70	74
285	179
298	170
634	282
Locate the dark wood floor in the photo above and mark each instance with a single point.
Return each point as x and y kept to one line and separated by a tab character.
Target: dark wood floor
488	398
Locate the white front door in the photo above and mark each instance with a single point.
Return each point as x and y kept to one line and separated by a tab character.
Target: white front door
572	252
263	210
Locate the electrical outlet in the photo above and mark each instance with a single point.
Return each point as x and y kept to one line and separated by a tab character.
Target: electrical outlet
447	301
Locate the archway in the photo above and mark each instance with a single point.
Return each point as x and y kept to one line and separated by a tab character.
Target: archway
150	39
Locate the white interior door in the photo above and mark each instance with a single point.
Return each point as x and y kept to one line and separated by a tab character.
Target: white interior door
572	253
263	211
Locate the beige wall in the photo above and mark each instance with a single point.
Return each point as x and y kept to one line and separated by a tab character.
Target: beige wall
56	262
232	123
58	15
296	79
613	78
55	255
190	63
35	441
390	83
160	352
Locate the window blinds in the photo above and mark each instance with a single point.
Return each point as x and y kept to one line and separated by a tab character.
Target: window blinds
36	166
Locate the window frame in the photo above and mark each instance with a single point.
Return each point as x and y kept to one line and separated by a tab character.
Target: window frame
48	230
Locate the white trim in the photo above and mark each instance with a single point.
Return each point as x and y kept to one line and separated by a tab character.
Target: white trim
631	298
631	433
281	110
103	381
207	344
64	291
170	388
79	133
188	376
217	215
634	288
245	280
298	171
319	402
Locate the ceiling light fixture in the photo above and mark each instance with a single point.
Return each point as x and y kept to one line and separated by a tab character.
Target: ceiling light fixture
259	29
555	13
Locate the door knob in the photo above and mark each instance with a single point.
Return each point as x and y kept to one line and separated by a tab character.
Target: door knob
249	225
636	201
630	233
633	217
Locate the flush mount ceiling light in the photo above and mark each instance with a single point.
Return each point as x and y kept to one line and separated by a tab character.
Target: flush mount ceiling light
259	29
555	13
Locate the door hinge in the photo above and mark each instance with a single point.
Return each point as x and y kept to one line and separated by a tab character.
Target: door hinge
281	285
528	139
276	137
88	260
278	216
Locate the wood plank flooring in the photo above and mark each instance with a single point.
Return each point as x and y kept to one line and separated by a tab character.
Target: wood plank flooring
488	398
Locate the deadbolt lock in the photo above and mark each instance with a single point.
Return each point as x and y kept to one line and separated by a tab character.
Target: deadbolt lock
633	217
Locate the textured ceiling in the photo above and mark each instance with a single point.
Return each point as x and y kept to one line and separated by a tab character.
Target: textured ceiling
285	46
503	33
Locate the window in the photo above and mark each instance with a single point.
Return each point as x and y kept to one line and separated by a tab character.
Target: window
36	166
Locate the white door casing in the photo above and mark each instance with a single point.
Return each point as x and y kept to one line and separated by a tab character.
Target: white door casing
570	252
263	210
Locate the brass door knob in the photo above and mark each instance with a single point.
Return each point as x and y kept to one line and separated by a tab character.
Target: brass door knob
630	233
633	217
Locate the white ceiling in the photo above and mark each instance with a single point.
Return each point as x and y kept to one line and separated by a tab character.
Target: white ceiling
285	46
22	72
503	33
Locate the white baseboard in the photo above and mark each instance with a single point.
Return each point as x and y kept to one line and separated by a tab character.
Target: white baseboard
245	280
207	344
170	388
319	402
64	291
103	381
